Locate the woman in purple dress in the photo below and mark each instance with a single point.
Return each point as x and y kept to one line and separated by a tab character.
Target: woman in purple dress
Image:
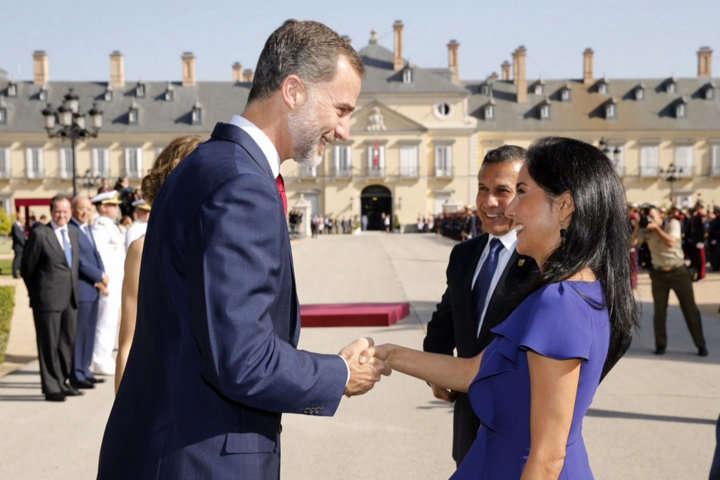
532	386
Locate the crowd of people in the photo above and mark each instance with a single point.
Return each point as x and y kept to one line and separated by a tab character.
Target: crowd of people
320	225
74	267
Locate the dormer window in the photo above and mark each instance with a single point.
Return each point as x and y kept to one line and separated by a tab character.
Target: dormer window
611	110
538	88
602	87
681	108
140	90
169	94
489	110
3	114
42	94
544	110
709	92
196	114
133	115
639	92
408	75
108	95
566	94
485	89
11	89
671	86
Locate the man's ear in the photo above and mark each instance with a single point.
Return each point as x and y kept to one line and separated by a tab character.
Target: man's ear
293	92
566	206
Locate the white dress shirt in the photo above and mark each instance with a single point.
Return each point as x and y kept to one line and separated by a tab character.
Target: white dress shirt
273	157
262	141
508	241
59	235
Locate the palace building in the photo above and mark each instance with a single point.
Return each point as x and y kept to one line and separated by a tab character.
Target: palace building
418	135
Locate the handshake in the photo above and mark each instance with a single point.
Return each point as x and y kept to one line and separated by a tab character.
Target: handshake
366	366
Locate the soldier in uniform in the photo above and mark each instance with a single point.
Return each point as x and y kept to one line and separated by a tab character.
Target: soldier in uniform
110	244
139	226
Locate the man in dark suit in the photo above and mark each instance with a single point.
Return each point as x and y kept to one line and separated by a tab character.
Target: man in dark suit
91	283
214	360
50	271
485	282
18	243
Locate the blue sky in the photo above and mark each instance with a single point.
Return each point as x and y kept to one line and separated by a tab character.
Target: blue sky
630	39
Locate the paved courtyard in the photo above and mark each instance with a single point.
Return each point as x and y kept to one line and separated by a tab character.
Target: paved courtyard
653	417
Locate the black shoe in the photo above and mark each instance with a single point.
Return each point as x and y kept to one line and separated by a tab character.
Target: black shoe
71	391
82	384
659	351
96	380
702	351
55	397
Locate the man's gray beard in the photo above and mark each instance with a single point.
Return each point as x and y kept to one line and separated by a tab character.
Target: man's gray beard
305	140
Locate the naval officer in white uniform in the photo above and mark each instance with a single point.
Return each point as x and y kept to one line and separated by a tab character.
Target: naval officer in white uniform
139	226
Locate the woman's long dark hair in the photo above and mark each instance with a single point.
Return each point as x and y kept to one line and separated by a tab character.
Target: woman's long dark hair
598	236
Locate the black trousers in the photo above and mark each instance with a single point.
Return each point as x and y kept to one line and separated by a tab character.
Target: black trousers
679	280
16	263
55	333
87	318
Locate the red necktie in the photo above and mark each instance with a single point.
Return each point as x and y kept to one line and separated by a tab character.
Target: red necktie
281	188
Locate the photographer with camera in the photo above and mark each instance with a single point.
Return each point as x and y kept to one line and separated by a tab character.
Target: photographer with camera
668	272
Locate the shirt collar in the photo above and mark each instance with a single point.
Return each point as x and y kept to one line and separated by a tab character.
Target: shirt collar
55	226
262	140
509	240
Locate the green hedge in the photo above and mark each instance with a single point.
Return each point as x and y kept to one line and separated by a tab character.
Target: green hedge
7	304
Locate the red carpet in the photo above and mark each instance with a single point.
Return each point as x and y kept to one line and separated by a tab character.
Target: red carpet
353	314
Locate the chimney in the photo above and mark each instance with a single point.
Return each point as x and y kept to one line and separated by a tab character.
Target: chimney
117	70
237	72
505	67
452	47
521	81
705	62
398	63
40	63
588	66
188	71
515	66
248	75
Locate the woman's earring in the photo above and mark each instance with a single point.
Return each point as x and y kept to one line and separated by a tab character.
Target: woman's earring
563	236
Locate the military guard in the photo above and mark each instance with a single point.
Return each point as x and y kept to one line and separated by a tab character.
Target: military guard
139	226
110	244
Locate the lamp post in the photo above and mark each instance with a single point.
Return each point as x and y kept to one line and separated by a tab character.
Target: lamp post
90	180
68	122
671	174
611	153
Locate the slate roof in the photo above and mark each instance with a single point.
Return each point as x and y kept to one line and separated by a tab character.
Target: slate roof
586	110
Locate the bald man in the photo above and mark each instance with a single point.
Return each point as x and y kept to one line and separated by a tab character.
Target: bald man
91	284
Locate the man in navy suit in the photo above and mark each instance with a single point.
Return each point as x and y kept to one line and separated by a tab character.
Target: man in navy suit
214	361
91	282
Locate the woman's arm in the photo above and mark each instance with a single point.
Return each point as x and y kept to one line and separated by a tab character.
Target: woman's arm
129	306
553	388
444	371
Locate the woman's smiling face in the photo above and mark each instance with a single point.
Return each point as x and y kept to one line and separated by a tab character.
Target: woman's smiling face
538	218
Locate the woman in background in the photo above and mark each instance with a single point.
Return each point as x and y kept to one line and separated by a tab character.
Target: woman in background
168	159
532	386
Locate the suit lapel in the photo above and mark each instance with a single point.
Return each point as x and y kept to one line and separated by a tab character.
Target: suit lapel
235	134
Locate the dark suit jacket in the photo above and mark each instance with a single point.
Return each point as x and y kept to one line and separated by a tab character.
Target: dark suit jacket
214	360
454	323
91	265
18	237
51	283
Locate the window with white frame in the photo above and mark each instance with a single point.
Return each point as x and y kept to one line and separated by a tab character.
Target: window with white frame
443	160
715	163
343	160
34	166
440	200
376	160
133	162
545	112
66	162
307	171
101	162
649	155
409	161
4	162
684	160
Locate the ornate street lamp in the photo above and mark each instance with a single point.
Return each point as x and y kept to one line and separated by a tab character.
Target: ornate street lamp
671	175
90	180
611	153
67	121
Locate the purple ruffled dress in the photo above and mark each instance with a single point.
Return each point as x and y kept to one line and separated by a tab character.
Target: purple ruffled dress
561	320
